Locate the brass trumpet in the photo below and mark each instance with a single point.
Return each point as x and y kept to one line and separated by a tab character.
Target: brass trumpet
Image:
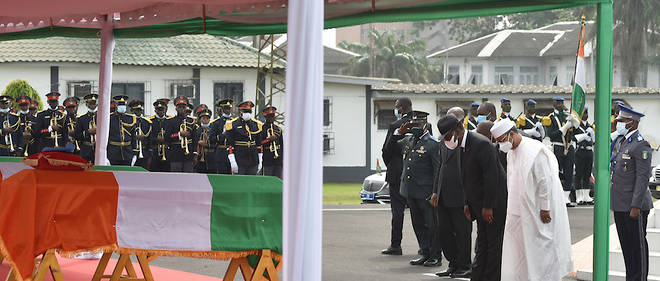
200	149
28	129
92	125
8	139
54	134
185	140
138	132
72	127
161	147
273	146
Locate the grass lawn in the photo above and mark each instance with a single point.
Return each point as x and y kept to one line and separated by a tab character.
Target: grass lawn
341	193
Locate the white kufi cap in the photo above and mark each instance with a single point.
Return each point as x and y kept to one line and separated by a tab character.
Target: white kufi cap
501	127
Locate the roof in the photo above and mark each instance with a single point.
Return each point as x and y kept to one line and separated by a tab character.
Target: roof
337	55
511	90
182	50
356	80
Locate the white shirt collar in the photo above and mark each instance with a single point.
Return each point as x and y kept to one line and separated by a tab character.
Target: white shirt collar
631	133
464	138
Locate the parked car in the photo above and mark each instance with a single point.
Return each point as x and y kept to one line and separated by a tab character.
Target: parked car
375	189
654	182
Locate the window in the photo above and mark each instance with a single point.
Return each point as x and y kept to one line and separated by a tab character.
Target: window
81	88
184	88
385	118
326	112
552	77
225	90
328	143
529	75
453	74
503	75
570	72
477	75
132	90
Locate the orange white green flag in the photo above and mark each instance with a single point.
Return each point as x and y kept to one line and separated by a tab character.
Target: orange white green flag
580	80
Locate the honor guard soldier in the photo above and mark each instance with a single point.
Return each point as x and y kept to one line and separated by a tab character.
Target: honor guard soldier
12	138
631	199
506	110
584	158
157	137
142	132
206	146
34	107
50	127
272	144
26	128
560	127
223	166
529	123
471	122
244	138
421	161
198	110
121	138
71	107
86	128
180	132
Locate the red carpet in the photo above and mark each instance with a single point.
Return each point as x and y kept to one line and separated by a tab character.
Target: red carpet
83	270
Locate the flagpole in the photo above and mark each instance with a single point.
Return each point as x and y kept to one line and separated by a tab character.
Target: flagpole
577	56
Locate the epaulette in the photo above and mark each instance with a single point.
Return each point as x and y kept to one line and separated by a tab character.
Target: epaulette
640	138
81	115
147	119
521	122
152	117
260	125
546	121
15	114
230	124
216	119
465	122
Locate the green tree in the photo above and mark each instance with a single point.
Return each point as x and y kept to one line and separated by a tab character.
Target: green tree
21	87
393	57
635	32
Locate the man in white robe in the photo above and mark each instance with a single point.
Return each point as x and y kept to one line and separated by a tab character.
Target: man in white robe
537	238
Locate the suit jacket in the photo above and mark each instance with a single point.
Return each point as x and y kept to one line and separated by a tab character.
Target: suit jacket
392	155
420	165
449	185
481	174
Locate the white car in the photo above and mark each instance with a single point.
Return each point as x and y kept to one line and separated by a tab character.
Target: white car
375	189
654	182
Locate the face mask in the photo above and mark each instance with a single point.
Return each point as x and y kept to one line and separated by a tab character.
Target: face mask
53	108
160	117
24	111
92	110
481	118
226	115
246	115
205	125
452	143
417	131
4	110
506	108
531	111
621	128
121	109
397	114
506	146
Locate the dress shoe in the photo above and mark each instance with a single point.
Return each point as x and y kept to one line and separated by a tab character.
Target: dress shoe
419	261
445	273
433	262
570	205
463	273
392	251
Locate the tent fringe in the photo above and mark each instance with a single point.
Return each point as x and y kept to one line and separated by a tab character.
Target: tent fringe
5	254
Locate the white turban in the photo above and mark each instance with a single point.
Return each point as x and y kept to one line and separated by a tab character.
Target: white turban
501	127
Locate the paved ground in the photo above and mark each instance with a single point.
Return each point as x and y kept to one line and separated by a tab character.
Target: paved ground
353	236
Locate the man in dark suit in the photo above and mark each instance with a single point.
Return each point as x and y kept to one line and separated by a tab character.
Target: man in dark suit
453	231
484	193
392	157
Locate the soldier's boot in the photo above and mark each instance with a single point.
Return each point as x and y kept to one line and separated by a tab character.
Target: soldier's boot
567	199
586	198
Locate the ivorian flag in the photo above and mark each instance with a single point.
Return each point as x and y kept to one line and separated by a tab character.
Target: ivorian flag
580	80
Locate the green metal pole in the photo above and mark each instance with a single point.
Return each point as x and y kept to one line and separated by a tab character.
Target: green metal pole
603	106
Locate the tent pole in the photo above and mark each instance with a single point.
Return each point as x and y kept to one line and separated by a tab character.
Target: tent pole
105	83
602	168
303	164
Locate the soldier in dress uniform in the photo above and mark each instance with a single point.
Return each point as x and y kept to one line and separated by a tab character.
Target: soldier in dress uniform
86	128
11	138
421	161
180	135
71	107
223	166
34	106
142	132
272	144
244	139
121	138
50	129
584	159
529	123
26	127
560	126
157	138
505	104
631	199
471	121
206	138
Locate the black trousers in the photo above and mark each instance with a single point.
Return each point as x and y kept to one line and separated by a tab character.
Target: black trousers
247	170
423	221
566	162
487	264
398	206
185	166
584	160
275	171
141	162
454	233
635	248
120	162
159	166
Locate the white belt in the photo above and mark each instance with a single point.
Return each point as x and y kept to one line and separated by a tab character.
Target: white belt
586	147
561	144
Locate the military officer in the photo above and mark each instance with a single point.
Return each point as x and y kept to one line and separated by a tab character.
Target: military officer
180	135
223	166
71	107
86	128
559	126
11	139
142	132
157	137
26	128
50	127
471	122
244	139
529	123
631	199
584	159
505	104
34	106
121	138
272	144
206	138
421	161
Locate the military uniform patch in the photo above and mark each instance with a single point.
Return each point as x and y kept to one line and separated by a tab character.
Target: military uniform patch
645	155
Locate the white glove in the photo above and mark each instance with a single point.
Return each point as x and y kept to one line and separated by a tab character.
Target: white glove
565	128
614	135
532	132
582	137
574	122
539	125
133	160
261	160
232	161
590	131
